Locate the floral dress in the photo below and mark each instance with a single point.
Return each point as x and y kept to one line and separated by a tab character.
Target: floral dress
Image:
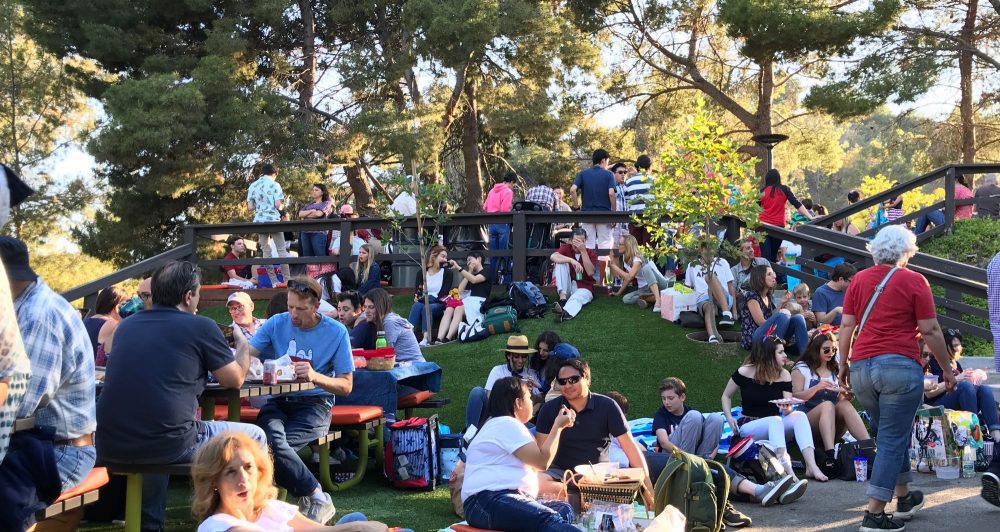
747	325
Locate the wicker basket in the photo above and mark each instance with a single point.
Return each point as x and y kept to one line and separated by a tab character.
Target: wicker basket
622	492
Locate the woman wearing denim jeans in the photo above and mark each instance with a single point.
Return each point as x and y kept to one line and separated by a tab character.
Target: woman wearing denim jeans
759	316
883	364
501	479
967	395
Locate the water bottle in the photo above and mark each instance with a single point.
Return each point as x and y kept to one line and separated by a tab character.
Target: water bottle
380	340
968	462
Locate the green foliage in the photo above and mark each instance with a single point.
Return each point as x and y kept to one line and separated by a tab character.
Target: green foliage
40	113
784	30
63	271
971	242
703	178
913	200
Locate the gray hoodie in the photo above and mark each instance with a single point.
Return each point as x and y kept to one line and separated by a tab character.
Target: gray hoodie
399	334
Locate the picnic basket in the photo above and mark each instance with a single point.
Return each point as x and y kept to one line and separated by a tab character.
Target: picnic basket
617	491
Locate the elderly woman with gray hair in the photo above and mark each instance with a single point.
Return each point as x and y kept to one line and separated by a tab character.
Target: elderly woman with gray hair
890	307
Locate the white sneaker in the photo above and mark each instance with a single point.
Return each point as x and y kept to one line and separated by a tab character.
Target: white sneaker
713	340
727	318
424	342
656	309
319	510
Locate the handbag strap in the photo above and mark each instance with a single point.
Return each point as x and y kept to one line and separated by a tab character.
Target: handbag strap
874	298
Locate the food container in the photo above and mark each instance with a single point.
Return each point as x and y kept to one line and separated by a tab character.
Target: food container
270	373
360	361
381	359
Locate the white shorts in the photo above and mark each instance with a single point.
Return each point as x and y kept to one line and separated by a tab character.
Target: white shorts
599	236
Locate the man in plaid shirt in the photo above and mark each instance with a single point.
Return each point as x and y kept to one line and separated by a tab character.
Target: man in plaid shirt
61	391
543	195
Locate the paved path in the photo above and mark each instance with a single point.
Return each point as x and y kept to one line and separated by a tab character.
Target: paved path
952	506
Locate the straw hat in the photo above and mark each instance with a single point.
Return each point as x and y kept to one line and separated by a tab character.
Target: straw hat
518	344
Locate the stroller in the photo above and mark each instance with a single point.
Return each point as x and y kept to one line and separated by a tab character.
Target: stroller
538	269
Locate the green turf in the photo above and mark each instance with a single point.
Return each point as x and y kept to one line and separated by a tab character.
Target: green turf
630	350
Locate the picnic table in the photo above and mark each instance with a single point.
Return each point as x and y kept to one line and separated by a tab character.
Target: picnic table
379	388
233	396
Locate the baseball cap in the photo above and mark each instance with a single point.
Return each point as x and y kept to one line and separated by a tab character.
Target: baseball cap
242	298
15	258
347	209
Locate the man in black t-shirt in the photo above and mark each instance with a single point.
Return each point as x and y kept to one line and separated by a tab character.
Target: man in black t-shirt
598	419
677	425
147	411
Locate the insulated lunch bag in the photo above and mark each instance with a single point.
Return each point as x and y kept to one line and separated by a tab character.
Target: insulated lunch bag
411	456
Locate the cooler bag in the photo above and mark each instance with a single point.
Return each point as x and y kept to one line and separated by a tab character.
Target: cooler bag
411	456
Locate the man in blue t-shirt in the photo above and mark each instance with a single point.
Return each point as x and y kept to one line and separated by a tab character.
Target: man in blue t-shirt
321	350
595	187
828	300
146	413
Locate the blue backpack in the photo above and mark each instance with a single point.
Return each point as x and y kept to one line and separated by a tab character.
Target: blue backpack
528	300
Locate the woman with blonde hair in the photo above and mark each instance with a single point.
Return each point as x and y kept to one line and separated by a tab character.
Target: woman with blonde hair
234	492
366	270
436	284
645	272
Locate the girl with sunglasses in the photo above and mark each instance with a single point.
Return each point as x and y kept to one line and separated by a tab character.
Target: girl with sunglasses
827	405
761	379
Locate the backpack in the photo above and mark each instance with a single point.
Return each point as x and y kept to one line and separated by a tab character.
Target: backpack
500	320
528	300
411	456
687	484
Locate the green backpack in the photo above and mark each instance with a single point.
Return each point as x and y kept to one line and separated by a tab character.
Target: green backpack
502	319
686	483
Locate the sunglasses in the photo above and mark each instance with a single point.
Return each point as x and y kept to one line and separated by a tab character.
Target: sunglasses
517	355
568	380
828	350
926	354
302	288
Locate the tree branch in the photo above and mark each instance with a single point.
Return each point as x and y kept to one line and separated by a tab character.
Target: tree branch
963	45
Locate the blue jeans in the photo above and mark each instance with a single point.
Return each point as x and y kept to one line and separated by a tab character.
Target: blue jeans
509	510
290	424
312	244
785	327
933	217
154	487
475	406
74	464
971	398
890	388
499	239
418	317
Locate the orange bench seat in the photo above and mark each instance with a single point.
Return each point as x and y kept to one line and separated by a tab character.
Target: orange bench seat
95	480
413	399
354	414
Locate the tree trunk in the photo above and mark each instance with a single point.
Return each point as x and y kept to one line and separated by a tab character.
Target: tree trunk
364	202
473	197
307	78
965	69
762	119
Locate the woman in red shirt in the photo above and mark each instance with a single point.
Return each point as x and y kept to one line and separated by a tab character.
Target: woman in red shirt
772	200
884	365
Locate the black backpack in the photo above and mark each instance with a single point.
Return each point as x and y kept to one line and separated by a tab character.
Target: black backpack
528	300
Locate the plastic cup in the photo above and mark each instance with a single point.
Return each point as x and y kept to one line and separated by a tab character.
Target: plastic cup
861	468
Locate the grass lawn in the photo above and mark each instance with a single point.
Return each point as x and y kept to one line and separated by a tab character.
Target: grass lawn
629	350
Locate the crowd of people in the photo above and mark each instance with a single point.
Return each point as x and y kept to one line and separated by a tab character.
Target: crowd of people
868	335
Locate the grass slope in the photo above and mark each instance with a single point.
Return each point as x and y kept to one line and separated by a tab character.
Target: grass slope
629	350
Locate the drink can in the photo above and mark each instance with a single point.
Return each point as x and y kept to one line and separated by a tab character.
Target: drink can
861	468
270	372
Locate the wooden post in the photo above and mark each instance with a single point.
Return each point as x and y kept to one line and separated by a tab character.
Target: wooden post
519	241
949	199
346	244
191	239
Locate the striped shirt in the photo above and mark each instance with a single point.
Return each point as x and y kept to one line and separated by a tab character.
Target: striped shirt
61	391
637	192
